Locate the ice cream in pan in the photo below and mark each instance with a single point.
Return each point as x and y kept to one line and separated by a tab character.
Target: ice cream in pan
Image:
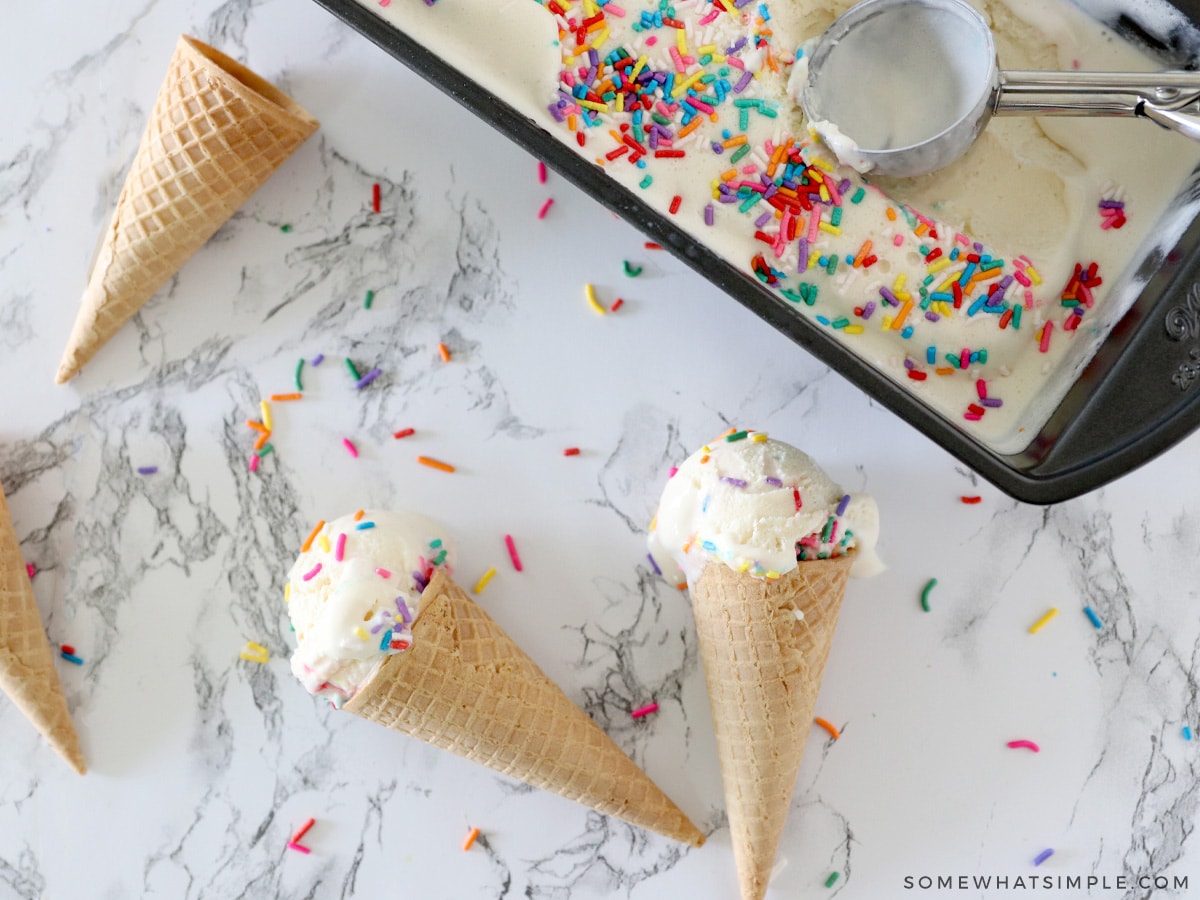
384	632
765	541
983	288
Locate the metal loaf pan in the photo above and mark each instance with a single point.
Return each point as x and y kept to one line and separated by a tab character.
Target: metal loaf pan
1137	397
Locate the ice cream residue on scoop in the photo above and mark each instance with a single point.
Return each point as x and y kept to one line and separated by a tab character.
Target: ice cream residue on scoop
759	506
354	594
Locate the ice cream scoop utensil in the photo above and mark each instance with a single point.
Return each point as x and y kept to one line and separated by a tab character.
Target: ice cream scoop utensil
904	87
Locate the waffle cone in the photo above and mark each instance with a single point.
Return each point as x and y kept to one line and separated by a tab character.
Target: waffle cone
763	665
27	672
466	687
217	132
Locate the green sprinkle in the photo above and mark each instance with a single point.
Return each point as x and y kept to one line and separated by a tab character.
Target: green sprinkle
436	543
925	593
858	196
440	558
827	530
736	436
299	369
353	369
741	151
840	323
812	295
631	270
792	295
835	217
646	182
983	353
832	267
370	299
1016	319
267	448
833	876
286	229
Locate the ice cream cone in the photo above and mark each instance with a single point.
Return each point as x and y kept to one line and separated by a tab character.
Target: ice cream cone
764	645
217	132
466	687
27	672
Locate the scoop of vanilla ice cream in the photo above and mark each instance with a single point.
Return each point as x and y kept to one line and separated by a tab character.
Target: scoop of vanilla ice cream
749	502
353	595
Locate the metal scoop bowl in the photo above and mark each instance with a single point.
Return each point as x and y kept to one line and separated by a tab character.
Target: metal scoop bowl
904	87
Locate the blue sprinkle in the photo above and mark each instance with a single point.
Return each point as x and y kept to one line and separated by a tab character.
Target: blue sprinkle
709	546
1187	732
387	639
654	565
363	526
842	504
1042	857
1091	614
71	657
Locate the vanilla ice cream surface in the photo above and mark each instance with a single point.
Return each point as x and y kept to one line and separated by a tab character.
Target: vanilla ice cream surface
983	288
354	593
761	507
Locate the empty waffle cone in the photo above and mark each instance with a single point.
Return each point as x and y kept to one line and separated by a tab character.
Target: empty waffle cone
466	687
27	672
216	134
764	646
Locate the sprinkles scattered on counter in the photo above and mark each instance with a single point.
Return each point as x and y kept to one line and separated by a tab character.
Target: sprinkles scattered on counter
631	270
403	433
828	726
541	172
147	470
483	580
299	848
1187	732
1023	745
617	304
350	448
299	372
1043	856
832	879
285	398
545	208
367	379
302	831
30	570
256	653
435	464
644	711
67	652
376	196
1041	623
571	451
929	586
970	501
444	352
318	359
368	300
353	369
1093	618
589	291
512	552
471	838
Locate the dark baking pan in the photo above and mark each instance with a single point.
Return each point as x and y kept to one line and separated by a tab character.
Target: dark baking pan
1137	397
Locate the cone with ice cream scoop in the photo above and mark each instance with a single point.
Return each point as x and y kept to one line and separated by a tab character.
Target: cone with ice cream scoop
27	672
385	633
766	542
216	134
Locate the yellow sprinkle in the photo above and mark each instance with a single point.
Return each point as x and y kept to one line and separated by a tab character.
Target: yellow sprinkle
641	64
681	87
744	565
822	164
483	581
707	48
1037	626
599	41
758	437
681	42
620	104
260	649
887	322
593	105
654	522
592	301
1033	275
706	449
825	198
360	634
771	575
832	229
266	414
853	329
287	593
903	295
901	280
936	266
324	542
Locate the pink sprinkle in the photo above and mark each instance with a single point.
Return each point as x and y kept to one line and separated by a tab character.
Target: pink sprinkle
340	551
512	552
1045	342
613	10
349	445
1023	745
545	208
542	171
292	845
898	240
313	574
651	41
674	469
644	711
383	573
254	463
30	570
981	389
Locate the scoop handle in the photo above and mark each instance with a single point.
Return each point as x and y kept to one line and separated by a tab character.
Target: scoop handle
1049	93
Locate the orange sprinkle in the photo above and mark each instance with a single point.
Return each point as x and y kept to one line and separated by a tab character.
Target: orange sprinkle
358	515
445	352
262	440
891	214
470	841
283	398
945	370
312	536
828	726
435	463
921	229
734	141
257	426
689	128
898	322
863	252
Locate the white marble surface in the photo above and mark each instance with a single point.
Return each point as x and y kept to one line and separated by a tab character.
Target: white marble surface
203	764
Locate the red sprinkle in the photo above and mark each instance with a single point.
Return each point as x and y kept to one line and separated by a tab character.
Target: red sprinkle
404	432
675	201
650	245
644	711
303	830
796	497
376	196
67	648
30	570
571	451
917	375
971	499
545	208
617	304
541	173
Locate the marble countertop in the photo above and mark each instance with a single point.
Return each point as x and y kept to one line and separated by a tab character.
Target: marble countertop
203	764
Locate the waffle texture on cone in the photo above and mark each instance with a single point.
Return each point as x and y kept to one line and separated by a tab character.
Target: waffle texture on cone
27	672
764	645
466	687
216	134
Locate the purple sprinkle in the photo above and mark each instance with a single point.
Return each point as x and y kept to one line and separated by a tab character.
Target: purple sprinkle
318	359
403	609
736	482
147	470
593	58
932	316
657	570
1111	204
708	214
1042	857
774	482
888	296
375	629
717	148
420	581
868	309
764	219
1006	281
841	508
908	364
368	378
1077	311
747	76
558	117
772	189
992	402
978	247
802	264
843	185
729	198
734	48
